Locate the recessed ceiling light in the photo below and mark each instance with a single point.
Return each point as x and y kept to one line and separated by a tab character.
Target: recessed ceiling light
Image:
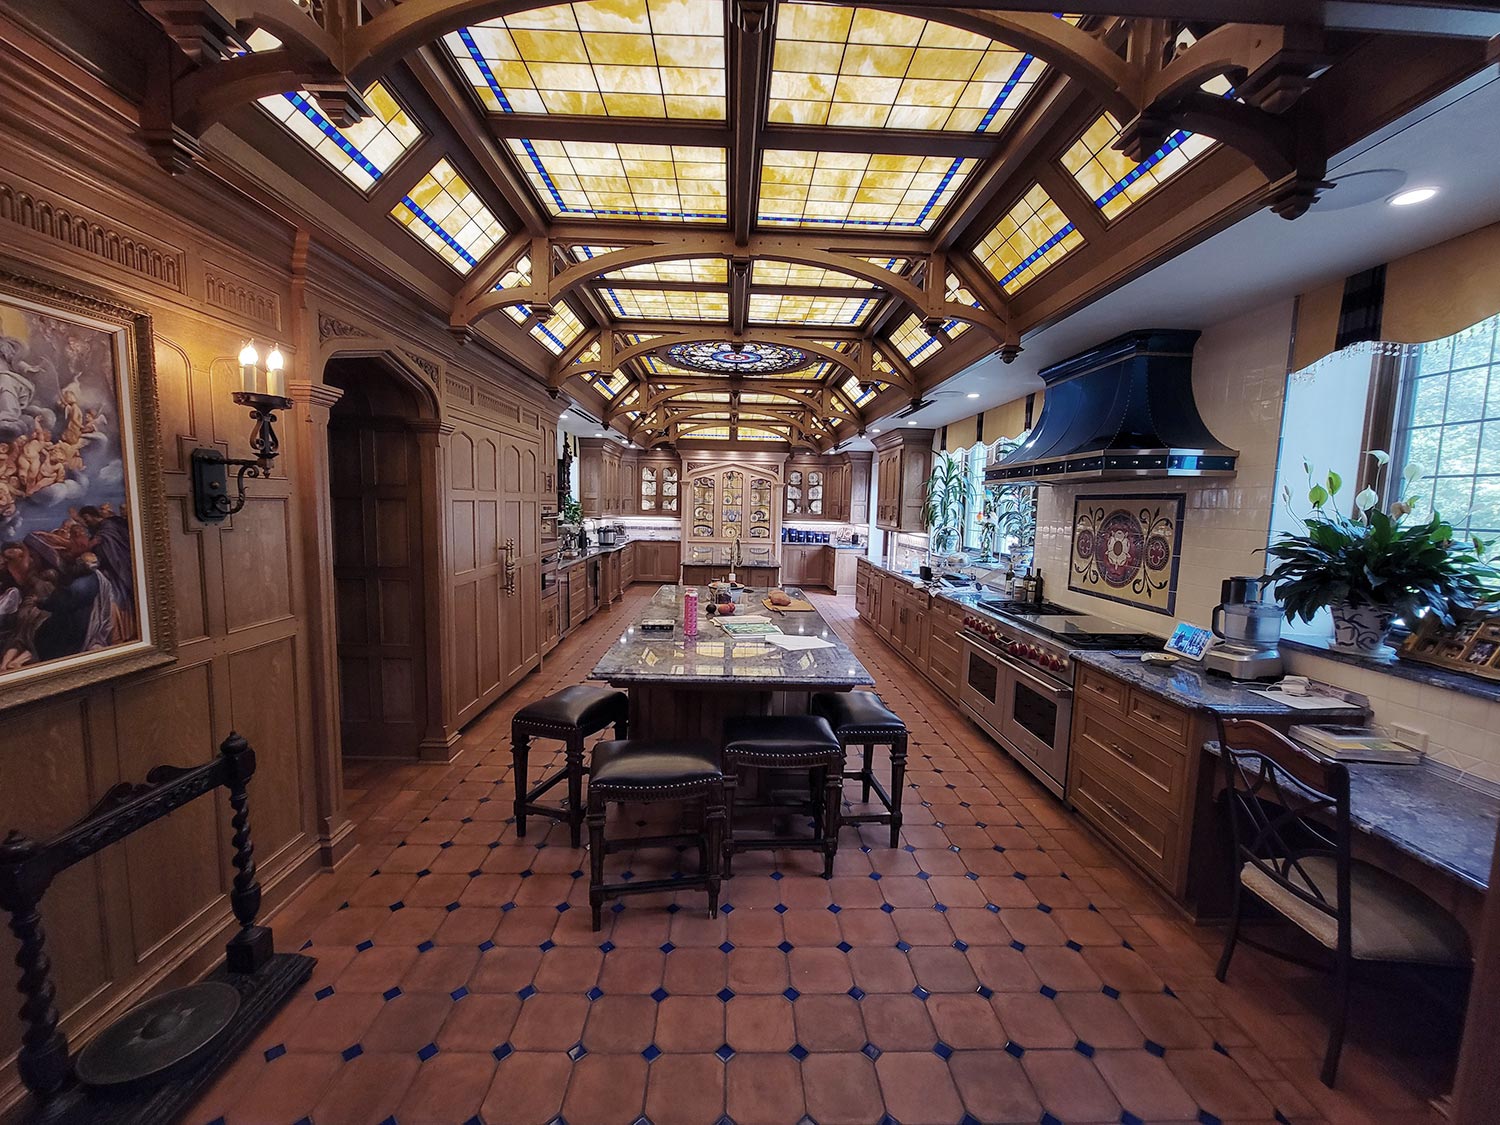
972	394
874	429
911	422
564	414
1412	195
599	434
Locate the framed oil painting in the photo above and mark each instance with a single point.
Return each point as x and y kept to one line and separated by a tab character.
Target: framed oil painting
85	580
1127	549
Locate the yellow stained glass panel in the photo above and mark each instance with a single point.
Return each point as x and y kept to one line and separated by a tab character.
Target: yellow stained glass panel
712	271
558	330
1115	182
613	58
913	342
362	153
859	190
957	292
780	308
861	68
444	213
1032	237
589	355
768	271
665	304
879	363
605	180
754	433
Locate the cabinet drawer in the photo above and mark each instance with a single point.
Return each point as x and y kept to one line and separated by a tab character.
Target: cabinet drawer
1103	690
1158	716
1143	832
1158	769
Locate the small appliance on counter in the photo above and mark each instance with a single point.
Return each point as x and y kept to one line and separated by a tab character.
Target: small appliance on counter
1248	628
611	534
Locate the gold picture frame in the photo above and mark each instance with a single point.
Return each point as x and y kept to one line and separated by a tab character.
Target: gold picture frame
86	592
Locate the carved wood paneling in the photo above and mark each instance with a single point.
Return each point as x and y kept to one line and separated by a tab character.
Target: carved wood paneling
189	576
257	565
73	227
279	795
243	299
456	388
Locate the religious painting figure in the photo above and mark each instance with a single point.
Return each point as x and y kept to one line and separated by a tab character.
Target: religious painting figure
68	556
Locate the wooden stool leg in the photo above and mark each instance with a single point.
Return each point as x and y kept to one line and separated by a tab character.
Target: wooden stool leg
713	825
898	785
731	784
833	791
817	797
520	753
866	775
597	810
575	788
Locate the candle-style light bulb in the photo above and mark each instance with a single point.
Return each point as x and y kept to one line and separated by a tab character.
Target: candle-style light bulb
249	367
274	364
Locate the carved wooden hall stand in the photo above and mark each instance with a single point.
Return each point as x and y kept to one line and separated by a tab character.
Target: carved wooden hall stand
262	977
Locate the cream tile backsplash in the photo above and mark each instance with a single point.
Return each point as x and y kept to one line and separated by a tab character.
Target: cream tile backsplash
1239	378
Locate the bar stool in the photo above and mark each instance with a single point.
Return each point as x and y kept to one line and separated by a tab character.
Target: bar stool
570	715
859	718
648	771
771	742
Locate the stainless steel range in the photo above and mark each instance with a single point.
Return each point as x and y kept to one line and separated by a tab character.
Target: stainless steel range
1018	678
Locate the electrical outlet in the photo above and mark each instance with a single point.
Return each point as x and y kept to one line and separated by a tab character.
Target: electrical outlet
1409	736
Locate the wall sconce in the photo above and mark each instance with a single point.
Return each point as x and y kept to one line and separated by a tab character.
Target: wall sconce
263	392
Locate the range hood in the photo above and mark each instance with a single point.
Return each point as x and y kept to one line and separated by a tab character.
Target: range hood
1121	411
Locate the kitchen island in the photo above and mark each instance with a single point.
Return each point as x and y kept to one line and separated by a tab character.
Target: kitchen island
684	687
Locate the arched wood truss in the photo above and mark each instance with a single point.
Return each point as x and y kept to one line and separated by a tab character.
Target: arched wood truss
1287	95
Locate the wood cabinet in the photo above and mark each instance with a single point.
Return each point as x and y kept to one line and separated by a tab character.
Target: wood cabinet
1132	769
656	561
576	579
658	479
828	488
551	622
863	575
921	628
728	501
599	488
627	565
944	648
903	462
805	564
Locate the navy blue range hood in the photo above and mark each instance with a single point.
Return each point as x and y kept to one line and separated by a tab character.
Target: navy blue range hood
1121	411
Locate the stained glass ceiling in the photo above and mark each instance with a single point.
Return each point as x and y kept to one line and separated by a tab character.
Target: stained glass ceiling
620	119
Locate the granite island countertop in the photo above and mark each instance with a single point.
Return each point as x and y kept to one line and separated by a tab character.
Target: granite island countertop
715	658
1190	687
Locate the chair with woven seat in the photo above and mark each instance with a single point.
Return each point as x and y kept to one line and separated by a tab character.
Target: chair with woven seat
786	742
1289	822
648	771
570	715
859	718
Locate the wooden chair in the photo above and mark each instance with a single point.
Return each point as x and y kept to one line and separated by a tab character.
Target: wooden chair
1289	821
859	718
788	743
571	716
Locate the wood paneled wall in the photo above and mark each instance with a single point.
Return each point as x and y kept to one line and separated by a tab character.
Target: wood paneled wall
254	595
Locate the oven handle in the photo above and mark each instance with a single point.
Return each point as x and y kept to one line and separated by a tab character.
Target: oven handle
1053	690
984	647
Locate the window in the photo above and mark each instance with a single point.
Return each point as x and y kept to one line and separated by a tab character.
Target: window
362	152
1031	238
1448	423
447	215
974	501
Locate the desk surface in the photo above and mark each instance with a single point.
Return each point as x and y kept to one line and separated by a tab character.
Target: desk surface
1427	815
714	658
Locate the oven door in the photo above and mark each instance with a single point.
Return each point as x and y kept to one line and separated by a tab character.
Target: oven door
1036	720
983	685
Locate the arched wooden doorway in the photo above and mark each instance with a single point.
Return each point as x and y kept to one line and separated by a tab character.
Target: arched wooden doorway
379	494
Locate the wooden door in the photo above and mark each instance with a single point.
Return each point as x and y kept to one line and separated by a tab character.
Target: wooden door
477	566
520	557
375	486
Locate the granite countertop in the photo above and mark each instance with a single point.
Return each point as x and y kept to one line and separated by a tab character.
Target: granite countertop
737	566
1421	811
1190	687
714	658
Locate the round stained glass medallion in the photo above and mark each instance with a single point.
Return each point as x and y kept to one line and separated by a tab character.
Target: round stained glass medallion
721	357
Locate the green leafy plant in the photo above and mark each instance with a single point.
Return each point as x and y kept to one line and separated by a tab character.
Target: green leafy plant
572	511
943	508
1014	506
1374	558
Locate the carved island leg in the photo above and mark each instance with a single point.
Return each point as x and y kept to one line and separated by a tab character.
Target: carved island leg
249	949
43	1058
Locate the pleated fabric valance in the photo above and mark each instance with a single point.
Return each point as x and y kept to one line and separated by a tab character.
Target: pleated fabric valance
1428	295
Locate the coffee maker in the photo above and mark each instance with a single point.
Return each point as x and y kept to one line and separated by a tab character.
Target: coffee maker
1248	628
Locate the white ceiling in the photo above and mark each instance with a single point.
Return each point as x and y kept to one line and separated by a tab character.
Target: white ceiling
1265	258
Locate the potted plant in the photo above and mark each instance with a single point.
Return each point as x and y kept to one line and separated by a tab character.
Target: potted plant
943	508
1371	567
1015	510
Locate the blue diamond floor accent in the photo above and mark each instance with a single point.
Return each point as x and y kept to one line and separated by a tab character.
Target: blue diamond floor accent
725	1052
660	994
352	1052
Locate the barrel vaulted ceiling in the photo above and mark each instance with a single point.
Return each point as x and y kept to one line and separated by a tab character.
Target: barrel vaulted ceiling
778	221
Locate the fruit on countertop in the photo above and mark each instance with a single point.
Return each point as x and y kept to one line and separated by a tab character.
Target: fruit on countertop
780	597
726	609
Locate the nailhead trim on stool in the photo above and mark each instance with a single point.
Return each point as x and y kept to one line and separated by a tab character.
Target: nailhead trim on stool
690	783
787	742
597	708
882	732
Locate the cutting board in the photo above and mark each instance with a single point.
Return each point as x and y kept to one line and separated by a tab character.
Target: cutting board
798	605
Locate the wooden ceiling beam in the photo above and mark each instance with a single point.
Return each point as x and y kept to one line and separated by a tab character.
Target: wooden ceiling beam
620	130
750	54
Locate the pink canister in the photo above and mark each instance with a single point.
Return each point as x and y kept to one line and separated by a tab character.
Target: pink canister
690	612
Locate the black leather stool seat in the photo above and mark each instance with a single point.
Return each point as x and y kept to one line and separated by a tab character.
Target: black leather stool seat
684	773
582	705
859	718
861	709
651	763
775	737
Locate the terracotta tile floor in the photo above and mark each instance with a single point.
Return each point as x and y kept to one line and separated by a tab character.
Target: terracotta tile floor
1000	966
